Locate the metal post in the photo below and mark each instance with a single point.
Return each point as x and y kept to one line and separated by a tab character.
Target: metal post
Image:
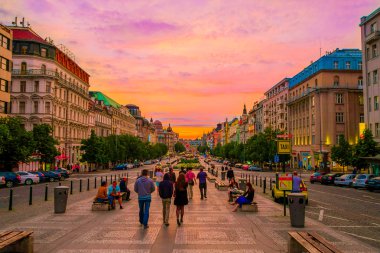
10	199
111	178
261	181
46	192
106	179
249	178
30	195
265	183
127	175
88	184
71	187
80	185
95	183
284	200
256	180
59	184
101	179
270	183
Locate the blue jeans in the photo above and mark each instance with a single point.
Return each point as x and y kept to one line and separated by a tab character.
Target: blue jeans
144	206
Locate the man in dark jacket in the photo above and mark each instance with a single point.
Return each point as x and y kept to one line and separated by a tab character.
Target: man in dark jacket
230	174
124	188
171	175
165	189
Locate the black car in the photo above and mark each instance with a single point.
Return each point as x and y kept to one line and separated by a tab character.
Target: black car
373	184
64	173
11	178
330	178
40	175
51	176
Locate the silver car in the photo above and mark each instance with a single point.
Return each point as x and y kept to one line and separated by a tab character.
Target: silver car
344	180
28	178
360	180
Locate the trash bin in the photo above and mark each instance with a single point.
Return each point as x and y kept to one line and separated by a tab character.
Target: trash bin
242	184
151	173
223	173
297	204
60	198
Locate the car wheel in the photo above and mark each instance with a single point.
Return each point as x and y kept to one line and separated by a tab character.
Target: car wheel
9	184
28	182
350	185
51	179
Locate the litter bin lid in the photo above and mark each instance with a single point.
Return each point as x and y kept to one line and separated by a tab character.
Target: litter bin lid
296	195
61	187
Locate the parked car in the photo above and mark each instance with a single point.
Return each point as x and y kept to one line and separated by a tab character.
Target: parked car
373	184
129	166
64	173
255	168
39	174
11	178
245	166
2	181
345	180
238	165
361	179
316	177
279	195
330	178
51	176
148	162
28	178
225	162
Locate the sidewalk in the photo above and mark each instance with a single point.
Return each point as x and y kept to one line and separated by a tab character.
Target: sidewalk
209	226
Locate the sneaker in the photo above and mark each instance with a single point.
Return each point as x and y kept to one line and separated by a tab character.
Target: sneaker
145	227
121	207
166	224
178	223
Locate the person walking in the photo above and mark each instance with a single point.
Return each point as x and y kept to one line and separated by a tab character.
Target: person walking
165	190
144	187
190	179
171	175
202	176
230	174
159	177
180	197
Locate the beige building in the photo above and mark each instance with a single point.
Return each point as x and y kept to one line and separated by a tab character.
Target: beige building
48	86
5	69
370	34
257	115
325	101
165	136
275	106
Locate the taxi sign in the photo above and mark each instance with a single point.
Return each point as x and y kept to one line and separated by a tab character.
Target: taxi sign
284	182
283	147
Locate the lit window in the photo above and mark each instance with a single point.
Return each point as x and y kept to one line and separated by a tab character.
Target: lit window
360	65
374	50
43	52
361	100
24	49
4	64
21	107
339	117
3	85
360	82
336	65
361	118
339	98
3	107
336	81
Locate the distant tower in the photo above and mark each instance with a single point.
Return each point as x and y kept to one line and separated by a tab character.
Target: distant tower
245	110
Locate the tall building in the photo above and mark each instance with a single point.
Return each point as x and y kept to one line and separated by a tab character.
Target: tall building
325	101
48	86
5	69
166	136
257	115
275	106
145	130
370	35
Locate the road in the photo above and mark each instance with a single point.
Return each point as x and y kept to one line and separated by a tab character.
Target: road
353	211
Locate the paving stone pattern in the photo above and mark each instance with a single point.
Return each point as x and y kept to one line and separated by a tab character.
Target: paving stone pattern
209	227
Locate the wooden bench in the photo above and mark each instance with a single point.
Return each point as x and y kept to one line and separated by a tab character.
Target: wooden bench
16	241
221	186
249	207
211	179
105	206
309	242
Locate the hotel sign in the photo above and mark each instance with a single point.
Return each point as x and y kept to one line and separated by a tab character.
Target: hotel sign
283	147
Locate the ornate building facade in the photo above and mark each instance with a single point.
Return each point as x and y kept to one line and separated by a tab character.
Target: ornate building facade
5	69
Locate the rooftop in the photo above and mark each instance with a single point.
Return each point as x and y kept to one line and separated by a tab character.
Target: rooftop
26	33
365	19
106	100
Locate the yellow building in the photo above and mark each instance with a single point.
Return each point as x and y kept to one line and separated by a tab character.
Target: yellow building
5	69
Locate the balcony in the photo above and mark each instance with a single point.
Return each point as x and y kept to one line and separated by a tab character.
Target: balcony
34	72
374	36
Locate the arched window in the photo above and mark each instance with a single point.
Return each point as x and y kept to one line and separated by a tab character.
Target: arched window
23	68
43	68
336	81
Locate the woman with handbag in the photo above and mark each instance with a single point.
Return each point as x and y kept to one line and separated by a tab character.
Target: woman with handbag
190	179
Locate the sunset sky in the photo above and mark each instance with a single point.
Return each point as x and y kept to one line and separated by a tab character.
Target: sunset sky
192	63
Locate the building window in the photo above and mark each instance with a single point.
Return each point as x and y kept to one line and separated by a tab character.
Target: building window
336	81
4	42
369	105
361	118
23	68
22	86
377	130
336	64
374	50
21	108
375	103
348	65
3	85
312	101
43	68
3	107
312	139
48	87
35	106
360	82
339	98
360	65
339	117
375	77
368	79
24	49
4	64
36	86
43	52
47	107
373	27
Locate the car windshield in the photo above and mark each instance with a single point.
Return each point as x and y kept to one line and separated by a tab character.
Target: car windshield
361	176
316	174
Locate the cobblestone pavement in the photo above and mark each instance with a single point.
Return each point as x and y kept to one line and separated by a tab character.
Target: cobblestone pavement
209	226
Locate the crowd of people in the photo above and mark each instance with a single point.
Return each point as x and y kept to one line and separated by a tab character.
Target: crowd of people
169	186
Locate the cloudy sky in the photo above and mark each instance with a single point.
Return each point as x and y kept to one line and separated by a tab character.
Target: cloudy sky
192	63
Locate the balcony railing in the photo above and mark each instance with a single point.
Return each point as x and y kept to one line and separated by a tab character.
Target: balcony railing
372	37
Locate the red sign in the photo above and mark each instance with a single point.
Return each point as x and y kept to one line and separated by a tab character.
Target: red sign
285	136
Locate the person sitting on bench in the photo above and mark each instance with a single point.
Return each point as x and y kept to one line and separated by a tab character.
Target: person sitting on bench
246	198
102	196
124	188
113	194
233	188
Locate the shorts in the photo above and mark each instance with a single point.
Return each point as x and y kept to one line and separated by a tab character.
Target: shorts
157	183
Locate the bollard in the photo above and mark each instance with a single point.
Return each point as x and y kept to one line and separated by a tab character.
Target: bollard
71	187
241	174
30	195
127	175
265	184
261	181
95	183
46	192
80	185
249	180
10	199
270	183
256	180
88	184
111	178
246	176
106	179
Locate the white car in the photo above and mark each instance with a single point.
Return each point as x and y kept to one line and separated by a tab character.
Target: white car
2	181
361	179
345	180
28	178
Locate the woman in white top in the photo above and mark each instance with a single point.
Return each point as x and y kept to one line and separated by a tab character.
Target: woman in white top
159	177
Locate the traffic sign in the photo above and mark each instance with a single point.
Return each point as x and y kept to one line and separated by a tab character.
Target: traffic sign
276	158
285	182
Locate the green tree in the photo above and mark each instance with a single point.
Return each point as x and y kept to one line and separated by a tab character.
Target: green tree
94	150
342	153
179	147
365	147
45	143
203	149
16	144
